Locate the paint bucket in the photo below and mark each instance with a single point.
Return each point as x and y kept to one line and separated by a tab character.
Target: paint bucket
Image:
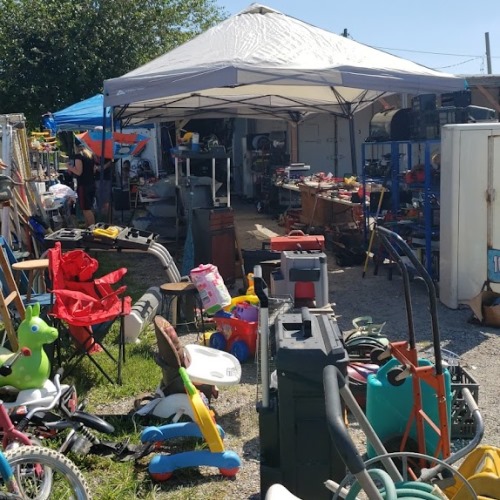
211	287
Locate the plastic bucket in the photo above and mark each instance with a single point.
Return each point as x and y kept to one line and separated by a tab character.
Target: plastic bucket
211	287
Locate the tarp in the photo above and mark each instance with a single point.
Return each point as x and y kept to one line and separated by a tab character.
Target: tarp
84	115
116	144
262	63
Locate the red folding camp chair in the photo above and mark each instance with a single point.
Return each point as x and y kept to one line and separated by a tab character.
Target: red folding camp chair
87	305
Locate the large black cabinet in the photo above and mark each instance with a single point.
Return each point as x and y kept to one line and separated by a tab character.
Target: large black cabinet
214	240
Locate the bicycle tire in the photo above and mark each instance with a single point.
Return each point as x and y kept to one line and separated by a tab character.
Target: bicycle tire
47	471
67	480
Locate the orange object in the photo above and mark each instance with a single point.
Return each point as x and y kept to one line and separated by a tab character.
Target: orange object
297	240
116	144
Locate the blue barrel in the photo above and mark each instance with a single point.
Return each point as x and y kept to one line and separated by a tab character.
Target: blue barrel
388	407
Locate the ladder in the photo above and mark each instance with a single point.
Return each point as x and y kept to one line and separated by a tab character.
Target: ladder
7	297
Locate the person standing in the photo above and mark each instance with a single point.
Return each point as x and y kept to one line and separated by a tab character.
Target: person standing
104	179
84	169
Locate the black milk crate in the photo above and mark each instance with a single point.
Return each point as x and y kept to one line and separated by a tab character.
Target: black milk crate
462	423
460	99
424	125
452	114
424	102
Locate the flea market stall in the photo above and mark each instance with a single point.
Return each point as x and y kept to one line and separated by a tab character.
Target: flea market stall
290	71
297	72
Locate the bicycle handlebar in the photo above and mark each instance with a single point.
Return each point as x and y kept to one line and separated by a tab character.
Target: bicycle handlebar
55	400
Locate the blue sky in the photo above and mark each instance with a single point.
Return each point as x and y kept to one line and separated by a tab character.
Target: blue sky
442	34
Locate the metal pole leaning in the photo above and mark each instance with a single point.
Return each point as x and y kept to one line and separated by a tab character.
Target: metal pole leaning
372	235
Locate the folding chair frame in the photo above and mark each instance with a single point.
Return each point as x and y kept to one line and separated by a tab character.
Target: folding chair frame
84	350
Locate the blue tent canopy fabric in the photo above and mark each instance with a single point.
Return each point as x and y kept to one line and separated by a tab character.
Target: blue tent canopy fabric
83	115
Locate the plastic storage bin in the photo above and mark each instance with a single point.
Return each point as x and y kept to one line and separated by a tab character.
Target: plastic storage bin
462	423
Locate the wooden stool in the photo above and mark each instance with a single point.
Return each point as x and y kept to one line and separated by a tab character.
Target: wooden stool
32	267
172	292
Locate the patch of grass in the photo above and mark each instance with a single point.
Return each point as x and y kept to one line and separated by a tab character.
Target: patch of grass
140	373
111	261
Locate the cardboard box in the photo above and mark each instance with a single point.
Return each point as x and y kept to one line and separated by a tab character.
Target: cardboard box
486	307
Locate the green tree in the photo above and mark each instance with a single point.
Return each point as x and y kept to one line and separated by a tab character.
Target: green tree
57	52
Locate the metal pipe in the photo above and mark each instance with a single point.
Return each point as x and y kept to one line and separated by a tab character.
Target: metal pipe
264	334
488	52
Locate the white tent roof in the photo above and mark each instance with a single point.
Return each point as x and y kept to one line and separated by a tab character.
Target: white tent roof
261	63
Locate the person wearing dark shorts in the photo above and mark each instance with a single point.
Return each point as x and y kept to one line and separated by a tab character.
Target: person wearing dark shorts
104	180
83	169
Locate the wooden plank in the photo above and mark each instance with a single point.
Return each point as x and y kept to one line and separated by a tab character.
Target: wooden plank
489	98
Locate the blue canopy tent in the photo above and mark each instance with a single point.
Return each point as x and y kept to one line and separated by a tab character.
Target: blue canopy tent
83	115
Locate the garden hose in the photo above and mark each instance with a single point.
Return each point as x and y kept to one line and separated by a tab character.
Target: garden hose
408	490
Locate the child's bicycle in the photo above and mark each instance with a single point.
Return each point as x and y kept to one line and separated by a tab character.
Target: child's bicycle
34	472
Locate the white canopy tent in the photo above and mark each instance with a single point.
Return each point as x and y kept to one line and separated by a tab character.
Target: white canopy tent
261	63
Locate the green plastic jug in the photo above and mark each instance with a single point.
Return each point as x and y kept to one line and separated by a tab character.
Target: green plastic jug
388	407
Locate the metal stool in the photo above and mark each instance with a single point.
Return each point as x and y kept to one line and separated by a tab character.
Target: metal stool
182	296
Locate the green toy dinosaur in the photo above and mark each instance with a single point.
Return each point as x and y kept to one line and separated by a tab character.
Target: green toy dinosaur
30	372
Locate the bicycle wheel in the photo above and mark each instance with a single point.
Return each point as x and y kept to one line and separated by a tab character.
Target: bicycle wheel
67	481
44	472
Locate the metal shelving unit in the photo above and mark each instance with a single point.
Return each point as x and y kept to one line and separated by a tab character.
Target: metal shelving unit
390	162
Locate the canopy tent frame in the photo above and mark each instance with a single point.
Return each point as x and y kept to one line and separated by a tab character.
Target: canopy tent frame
263	64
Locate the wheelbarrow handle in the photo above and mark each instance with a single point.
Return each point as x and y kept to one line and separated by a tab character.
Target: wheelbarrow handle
393	241
260	287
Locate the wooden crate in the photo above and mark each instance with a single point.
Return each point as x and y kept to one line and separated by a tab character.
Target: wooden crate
316	211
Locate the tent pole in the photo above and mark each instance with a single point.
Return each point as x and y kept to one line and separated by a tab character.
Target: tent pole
103	144
352	140
336	145
294	142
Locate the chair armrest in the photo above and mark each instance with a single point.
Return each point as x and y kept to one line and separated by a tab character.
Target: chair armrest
112	277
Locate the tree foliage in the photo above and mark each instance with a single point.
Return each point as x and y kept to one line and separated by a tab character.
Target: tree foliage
54	53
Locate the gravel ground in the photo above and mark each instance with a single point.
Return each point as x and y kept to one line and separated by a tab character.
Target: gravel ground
353	296
383	299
